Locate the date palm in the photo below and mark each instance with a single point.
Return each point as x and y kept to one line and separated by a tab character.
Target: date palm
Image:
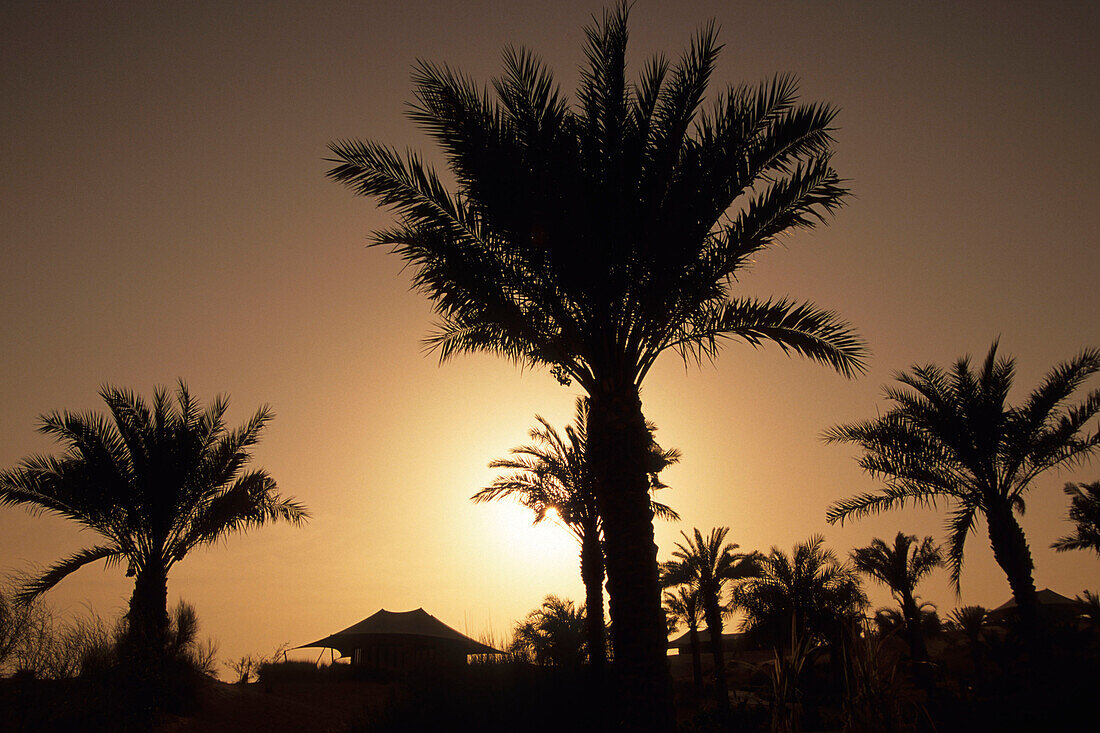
683	607
550	477
900	567
153	482
951	436
592	236
553	634
1084	512
706	565
809	594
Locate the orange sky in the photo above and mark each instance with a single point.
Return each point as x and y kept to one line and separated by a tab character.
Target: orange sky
164	214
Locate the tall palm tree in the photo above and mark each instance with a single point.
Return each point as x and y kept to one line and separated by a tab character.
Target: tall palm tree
683	607
1084	511
550	477
706	566
153	482
950	435
809	594
900	567
591	237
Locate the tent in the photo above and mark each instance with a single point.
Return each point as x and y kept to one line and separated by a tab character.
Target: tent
1054	606
402	640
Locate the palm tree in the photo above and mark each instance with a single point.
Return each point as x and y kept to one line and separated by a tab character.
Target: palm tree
970	620
551	478
808	594
1084	511
951	436
592	237
683	607
900	567
553	634
706	565
154	483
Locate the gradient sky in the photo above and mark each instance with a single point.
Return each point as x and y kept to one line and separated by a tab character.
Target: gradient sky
164	213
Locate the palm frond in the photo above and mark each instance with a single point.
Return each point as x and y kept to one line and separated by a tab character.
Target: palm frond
63	568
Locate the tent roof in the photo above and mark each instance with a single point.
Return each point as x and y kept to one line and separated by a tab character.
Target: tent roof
1046	597
418	623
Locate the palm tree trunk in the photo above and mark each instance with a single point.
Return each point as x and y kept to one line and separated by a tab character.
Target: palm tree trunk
714	628
913	629
1011	552
145	642
617	447
592	572
696	661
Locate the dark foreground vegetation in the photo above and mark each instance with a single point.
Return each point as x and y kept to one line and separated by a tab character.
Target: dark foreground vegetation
979	677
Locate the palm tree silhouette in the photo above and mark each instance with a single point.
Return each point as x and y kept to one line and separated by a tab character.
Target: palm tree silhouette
591	238
1084	511
683	607
154	483
951	436
706	565
552	634
808	594
550	477
900	567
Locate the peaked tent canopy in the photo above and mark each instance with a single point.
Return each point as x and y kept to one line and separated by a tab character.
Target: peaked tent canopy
400	627
1055	603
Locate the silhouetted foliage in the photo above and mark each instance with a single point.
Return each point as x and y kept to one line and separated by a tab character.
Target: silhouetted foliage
1084	512
551	478
900	567
153	482
682	606
553	634
950	435
809	594
970	620
592	237
706	565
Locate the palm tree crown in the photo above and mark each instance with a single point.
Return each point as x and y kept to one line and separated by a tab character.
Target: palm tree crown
153	482
706	566
1084	511
552	634
551	477
809	592
591	236
900	567
951	435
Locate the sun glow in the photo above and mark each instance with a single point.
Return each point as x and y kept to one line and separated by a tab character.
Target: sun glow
548	541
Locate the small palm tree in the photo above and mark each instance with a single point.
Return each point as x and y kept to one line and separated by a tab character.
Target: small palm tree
970	620
706	566
683	607
551	478
553	634
154	483
900	567
808	594
592	236
1084	511
950	435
